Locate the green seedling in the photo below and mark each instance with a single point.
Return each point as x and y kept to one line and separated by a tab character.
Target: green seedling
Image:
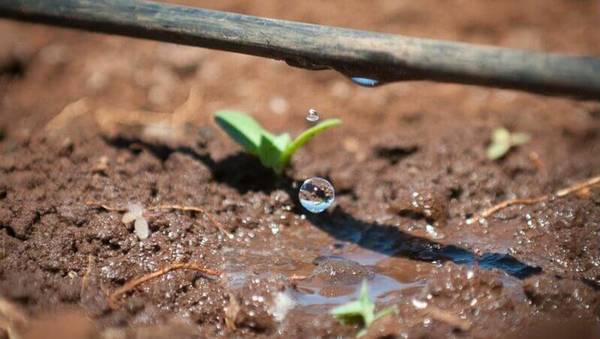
274	151
503	141
361	311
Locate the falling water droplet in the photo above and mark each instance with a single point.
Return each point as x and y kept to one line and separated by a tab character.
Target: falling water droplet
313	115
365	82
316	194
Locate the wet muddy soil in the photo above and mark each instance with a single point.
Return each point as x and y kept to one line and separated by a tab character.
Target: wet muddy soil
89	120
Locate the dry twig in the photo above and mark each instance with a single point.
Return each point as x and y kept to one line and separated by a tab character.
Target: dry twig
130	285
86	275
511	202
578	187
208	215
531	201
297	277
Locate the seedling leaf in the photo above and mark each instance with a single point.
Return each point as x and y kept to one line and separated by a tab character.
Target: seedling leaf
360	311
282	140
273	151
349	313
519	138
242	128
502	141
501	135
497	150
305	137
268	151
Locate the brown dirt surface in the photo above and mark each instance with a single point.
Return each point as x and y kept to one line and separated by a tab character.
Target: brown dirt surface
89	120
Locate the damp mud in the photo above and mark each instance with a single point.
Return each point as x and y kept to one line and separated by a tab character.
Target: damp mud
90	123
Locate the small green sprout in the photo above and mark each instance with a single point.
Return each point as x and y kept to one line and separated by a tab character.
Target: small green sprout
361	311
503	141
274	151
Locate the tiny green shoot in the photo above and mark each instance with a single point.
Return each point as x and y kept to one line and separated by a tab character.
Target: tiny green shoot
274	151
361	311
502	141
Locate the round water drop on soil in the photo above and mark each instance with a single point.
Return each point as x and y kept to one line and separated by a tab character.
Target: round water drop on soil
365	82
316	194
313	115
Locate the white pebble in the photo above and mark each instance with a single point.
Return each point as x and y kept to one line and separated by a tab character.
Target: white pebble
141	228
134	211
128	217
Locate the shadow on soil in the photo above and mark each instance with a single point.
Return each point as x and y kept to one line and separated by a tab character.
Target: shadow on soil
240	171
245	173
390	240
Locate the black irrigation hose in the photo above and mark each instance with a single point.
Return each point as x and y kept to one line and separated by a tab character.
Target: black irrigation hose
380	56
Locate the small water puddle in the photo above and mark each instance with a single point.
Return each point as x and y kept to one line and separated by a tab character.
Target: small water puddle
354	252
336	279
381	289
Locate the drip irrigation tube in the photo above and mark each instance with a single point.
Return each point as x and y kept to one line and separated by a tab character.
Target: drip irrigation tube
383	57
